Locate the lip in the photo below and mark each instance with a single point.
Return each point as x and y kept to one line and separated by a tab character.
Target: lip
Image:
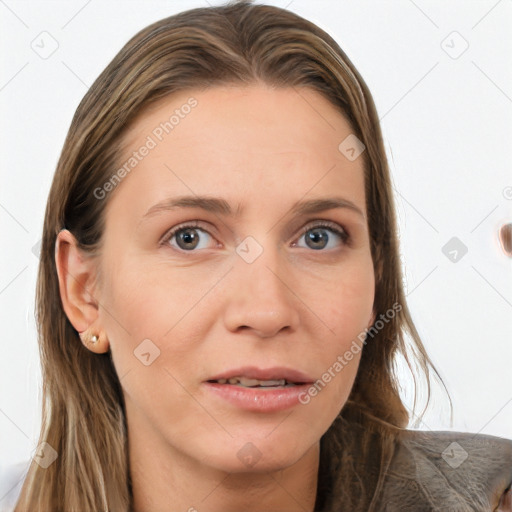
274	373
262	400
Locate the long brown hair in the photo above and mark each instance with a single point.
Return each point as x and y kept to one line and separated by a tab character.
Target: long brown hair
83	416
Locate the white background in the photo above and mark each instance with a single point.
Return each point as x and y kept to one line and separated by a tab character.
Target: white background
447	128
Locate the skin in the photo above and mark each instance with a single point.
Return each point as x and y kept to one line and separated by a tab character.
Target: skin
208	310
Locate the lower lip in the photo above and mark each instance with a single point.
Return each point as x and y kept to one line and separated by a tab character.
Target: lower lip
259	399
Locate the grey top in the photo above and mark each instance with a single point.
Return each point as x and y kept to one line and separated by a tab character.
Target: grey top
449	472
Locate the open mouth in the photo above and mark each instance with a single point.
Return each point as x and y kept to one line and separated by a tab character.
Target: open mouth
256	383
261	390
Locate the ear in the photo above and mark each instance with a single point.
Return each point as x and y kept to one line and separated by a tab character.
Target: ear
77	280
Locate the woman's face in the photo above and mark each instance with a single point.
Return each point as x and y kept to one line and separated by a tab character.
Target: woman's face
236	246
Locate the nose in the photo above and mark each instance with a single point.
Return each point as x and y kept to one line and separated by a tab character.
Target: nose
260	301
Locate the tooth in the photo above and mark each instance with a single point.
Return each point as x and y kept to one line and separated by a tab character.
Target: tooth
249	382
281	382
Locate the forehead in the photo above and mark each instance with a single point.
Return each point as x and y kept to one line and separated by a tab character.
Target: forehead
251	142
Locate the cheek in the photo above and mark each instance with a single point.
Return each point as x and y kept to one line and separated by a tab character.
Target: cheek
149	298
345	301
148	310
345	306
171	307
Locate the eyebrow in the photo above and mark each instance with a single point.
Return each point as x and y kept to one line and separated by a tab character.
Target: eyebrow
222	207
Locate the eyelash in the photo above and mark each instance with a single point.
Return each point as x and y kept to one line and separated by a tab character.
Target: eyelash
335	228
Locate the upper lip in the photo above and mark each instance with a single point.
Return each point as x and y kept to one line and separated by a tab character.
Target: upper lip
274	373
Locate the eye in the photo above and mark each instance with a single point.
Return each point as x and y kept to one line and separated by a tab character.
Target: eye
189	238
325	236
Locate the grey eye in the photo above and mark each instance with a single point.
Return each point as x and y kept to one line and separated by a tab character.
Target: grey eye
189	238
319	238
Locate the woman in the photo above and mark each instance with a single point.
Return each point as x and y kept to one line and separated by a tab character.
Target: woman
220	299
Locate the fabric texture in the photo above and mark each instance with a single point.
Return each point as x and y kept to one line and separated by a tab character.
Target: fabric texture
449	472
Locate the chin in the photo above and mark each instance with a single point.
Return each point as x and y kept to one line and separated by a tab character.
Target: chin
259	455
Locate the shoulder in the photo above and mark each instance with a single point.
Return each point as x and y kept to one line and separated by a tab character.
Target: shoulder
438	470
11	482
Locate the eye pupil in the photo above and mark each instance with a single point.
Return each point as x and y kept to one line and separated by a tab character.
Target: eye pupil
187	238
317	238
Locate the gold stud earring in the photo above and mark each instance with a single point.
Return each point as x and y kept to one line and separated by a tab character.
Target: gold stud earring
89	340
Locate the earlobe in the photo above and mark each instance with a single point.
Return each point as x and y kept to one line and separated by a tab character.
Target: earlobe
77	277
